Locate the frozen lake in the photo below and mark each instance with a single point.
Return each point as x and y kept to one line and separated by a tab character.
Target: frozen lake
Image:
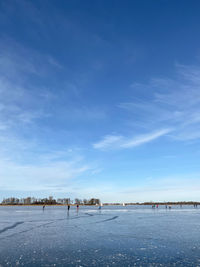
114	236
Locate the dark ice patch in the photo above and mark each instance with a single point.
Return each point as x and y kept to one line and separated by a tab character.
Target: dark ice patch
110	219
10	227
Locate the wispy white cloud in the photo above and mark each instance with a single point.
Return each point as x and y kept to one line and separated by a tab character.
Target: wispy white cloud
28	162
146	138
119	142
173	103
21	102
108	141
26	95
37	176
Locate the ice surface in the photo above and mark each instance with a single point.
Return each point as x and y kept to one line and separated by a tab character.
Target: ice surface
112	236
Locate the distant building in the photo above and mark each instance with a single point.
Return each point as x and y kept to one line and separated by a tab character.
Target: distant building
63	201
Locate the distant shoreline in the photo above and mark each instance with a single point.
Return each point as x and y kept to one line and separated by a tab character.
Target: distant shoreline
113	204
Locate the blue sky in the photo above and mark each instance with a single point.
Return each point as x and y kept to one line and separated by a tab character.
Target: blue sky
100	99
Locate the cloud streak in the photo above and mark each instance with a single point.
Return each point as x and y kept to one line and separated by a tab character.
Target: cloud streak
174	103
146	138
119	142
39	176
171	106
108	141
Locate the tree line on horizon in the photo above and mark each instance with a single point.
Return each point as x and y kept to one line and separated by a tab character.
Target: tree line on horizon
77	201
49	201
